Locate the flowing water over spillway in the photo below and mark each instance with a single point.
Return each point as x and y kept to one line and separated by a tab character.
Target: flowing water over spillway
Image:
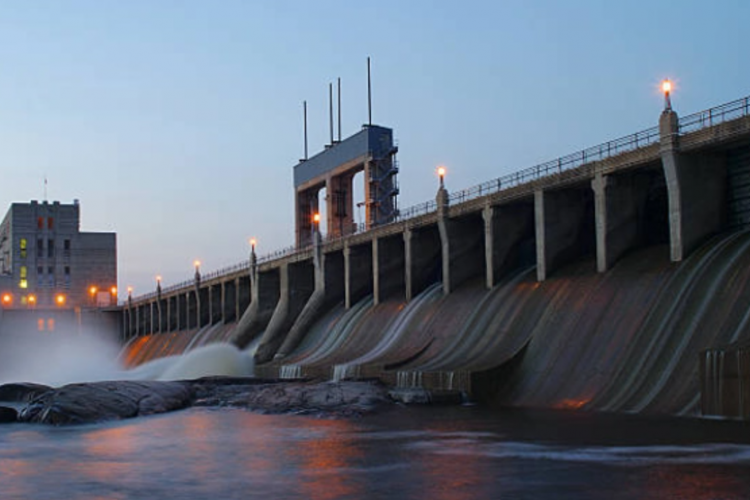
625	340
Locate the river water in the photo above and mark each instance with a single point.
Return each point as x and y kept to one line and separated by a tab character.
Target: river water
418	452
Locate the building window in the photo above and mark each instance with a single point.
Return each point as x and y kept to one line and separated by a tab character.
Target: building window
40	276
50	248
66	247
40	324
67	276
24	272
50	324
22	247
50	223
51	276
40	247
24	283
40	222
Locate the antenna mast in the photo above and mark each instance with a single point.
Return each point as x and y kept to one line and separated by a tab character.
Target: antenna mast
369	94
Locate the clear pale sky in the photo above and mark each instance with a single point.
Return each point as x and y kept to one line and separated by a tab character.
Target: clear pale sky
177	122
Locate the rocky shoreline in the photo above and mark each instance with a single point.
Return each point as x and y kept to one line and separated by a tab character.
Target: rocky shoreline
114	400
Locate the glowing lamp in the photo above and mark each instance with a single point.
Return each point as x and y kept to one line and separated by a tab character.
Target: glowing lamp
666	88
60	299
158	279
130	290
32	299
93	290
7	299
316	218
113	290
441	172
197	264
253	242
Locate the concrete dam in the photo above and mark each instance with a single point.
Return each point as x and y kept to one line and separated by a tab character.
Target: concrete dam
614	279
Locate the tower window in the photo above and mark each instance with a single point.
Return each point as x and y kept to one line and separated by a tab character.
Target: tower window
40	247
40	222
23	272
22	247
50	223
51	248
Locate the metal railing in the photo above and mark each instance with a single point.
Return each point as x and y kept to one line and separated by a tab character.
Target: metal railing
568	162
690	123
715	116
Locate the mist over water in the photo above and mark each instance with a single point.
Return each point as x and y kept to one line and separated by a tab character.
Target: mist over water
65	357
58	358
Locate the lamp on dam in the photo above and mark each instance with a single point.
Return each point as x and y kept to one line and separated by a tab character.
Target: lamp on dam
130	295
197	265
441	175
253	242
666	88
158	285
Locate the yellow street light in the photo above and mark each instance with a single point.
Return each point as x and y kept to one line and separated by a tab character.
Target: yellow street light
441	171
666	88
253	242
7	299
316	218
113	290
32	300
60	299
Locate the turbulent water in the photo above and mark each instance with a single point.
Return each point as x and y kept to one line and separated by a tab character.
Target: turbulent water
625	340
452	453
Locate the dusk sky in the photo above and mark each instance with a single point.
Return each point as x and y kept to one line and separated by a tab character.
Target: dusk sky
177	123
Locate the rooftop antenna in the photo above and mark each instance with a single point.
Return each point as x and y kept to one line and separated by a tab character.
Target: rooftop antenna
330	109
339	93
304	120
369	94
45	189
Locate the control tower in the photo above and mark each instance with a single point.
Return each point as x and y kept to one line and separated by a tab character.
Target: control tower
370	150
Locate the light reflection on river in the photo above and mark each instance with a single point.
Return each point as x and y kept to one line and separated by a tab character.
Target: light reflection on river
436	453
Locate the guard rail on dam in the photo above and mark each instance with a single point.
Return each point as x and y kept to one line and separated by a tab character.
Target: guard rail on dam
559	285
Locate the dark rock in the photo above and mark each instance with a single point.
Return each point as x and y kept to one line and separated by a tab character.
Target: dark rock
21	392
99	401
8	414
330	398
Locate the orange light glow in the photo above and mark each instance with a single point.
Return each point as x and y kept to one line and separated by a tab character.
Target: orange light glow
253	242
197	263
441	171
7	299
113	290
666	86
316	218
130	290
32	299
60	299
158	279
93	290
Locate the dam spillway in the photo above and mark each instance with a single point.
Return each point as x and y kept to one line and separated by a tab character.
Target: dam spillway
593	286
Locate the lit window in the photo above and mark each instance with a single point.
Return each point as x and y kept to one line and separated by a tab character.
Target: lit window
40	222
23	272
50	223
22	244
24	283
23	300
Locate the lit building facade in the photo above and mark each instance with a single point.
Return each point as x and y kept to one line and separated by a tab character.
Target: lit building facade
47	262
